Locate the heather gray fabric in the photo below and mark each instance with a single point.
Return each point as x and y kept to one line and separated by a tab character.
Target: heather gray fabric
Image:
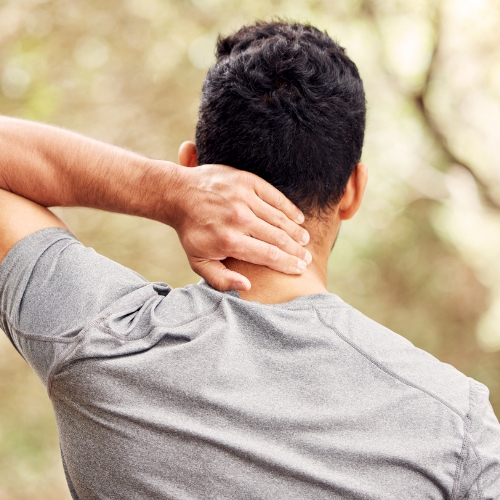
195	394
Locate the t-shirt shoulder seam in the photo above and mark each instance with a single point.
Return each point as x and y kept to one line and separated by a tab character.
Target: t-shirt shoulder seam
305	307
309	307
480	463
45	338
93	323
97	323
388	371
460	460
470	440
76	340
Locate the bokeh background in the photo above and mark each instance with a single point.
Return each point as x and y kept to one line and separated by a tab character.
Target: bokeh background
423	255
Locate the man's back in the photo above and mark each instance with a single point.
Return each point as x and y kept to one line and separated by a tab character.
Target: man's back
193	393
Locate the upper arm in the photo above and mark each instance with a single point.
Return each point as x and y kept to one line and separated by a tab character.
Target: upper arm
52	287
21	217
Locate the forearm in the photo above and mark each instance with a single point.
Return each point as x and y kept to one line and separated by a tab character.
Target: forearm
55	167
217	211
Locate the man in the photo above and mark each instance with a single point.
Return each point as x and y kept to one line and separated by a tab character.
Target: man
278	390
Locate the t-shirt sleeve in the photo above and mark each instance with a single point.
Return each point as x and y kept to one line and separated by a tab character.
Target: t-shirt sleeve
51	287
481	465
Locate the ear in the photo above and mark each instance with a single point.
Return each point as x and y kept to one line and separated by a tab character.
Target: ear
188	156
354	191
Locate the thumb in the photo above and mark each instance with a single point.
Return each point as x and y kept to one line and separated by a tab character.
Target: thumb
217	275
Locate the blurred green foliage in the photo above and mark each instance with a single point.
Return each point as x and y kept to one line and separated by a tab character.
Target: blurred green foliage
422	255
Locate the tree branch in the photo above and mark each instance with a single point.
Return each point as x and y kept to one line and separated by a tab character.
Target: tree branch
419	98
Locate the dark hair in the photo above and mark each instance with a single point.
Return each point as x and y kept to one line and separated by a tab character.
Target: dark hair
284	102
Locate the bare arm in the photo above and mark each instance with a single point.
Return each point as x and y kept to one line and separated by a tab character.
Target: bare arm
56	167
217	211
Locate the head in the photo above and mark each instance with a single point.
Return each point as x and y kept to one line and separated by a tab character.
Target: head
284	102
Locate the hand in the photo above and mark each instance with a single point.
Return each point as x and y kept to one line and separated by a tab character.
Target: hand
224	212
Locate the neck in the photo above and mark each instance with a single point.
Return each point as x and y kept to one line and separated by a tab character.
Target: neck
273	287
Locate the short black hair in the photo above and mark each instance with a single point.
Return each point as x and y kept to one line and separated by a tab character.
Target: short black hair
284	102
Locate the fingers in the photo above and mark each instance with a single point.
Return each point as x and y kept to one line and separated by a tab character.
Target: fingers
258	252
219	276
267	233
278	219
277	199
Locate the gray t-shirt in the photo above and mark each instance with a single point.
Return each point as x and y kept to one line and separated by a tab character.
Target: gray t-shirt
196	394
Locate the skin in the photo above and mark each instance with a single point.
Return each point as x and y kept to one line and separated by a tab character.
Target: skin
272	287
217	211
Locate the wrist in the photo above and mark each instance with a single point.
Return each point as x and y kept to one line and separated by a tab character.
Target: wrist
165	194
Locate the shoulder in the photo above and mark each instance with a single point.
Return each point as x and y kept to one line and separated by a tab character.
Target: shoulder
399	358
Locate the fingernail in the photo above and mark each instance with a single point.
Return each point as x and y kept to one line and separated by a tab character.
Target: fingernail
301	265
305	238
300	218
239	286
308	258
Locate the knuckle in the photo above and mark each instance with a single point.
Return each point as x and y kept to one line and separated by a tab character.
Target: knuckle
281	239
240	216
227	240
278	200
240	192
273	254
280	221
219	282
246	178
